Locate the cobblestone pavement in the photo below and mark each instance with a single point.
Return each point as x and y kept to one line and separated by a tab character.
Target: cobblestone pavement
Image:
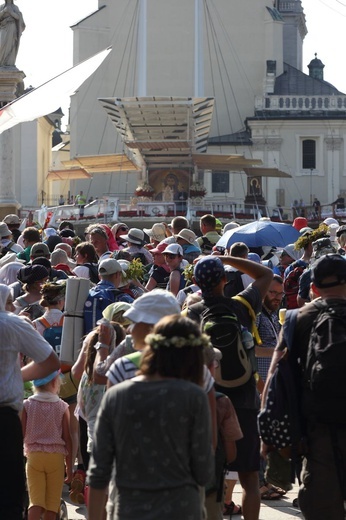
270	509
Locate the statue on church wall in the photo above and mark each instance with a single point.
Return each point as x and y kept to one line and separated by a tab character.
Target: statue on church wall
11	27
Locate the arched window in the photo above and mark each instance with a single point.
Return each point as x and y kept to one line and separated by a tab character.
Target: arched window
309	154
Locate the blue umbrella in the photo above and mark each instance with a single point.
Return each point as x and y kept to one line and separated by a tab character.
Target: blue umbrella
261	233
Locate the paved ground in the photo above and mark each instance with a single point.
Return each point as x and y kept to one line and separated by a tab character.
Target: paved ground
270	510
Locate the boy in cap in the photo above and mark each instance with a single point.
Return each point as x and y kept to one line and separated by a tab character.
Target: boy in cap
104	293
321	493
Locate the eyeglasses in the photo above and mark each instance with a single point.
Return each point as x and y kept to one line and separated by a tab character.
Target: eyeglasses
170	255
123	229
276	294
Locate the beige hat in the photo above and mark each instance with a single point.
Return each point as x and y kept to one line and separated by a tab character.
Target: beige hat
4	231
187	234
12	219
157	232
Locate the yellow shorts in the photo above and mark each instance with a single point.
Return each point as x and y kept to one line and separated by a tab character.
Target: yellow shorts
45	476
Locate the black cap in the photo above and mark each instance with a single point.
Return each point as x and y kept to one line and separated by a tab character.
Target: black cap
327	267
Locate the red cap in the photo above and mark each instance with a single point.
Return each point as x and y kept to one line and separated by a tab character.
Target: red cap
159	248
299	223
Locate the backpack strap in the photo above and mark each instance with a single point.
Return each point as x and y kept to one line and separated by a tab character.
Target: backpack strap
44	322
47	325
289	326
254	330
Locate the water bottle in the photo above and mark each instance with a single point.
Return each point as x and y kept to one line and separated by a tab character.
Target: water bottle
247	338
249	345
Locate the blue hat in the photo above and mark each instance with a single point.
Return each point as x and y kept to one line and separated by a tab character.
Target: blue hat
47	379
208	272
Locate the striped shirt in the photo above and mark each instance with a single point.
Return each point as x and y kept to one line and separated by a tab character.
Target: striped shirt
123	369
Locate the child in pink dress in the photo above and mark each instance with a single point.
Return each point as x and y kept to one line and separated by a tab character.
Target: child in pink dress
47	444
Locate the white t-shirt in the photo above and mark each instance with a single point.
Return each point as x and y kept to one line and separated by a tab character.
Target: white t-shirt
17	336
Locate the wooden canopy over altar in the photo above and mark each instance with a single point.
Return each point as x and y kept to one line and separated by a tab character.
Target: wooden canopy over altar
164	133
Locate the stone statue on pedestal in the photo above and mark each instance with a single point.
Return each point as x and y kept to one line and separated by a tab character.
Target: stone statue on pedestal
11	27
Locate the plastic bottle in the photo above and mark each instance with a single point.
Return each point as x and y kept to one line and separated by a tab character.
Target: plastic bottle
249	345
247	339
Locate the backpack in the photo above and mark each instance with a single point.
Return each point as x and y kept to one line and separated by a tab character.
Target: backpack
291	284
98	299
7	249
93	272
222	326
279	422
53	333
325	366
234	283
206	246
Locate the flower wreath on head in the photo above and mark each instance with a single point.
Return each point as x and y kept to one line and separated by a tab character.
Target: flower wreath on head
157	340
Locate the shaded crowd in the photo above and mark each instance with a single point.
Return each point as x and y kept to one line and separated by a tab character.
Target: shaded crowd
151	420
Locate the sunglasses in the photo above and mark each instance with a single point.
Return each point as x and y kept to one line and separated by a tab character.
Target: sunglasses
123	229
170	255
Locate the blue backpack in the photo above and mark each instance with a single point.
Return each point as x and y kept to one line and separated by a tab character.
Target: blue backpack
98	299
53	333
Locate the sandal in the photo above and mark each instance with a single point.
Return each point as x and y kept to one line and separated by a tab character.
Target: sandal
269	494
232	509
277	489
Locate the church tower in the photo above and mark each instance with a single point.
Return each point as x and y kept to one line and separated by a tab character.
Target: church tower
294	31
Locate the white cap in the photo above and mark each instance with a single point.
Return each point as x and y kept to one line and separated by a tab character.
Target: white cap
152	306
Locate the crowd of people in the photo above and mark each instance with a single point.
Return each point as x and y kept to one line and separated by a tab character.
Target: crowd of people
152	419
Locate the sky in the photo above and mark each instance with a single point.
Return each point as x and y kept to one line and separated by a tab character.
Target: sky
46	44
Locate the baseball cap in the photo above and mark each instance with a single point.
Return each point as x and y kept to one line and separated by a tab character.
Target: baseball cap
159	248
39	249
152	306
44	380
218	225
208	272
110	266
11	219
174	249
329	266
115	308
186	234
330	220
4	231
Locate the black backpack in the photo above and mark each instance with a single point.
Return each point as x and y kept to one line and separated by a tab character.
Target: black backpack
7	249
234	284
325	366
279	421
222	326
93	272
206	246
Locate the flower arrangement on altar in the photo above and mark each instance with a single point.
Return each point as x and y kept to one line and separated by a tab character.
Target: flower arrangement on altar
144	190
197	189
